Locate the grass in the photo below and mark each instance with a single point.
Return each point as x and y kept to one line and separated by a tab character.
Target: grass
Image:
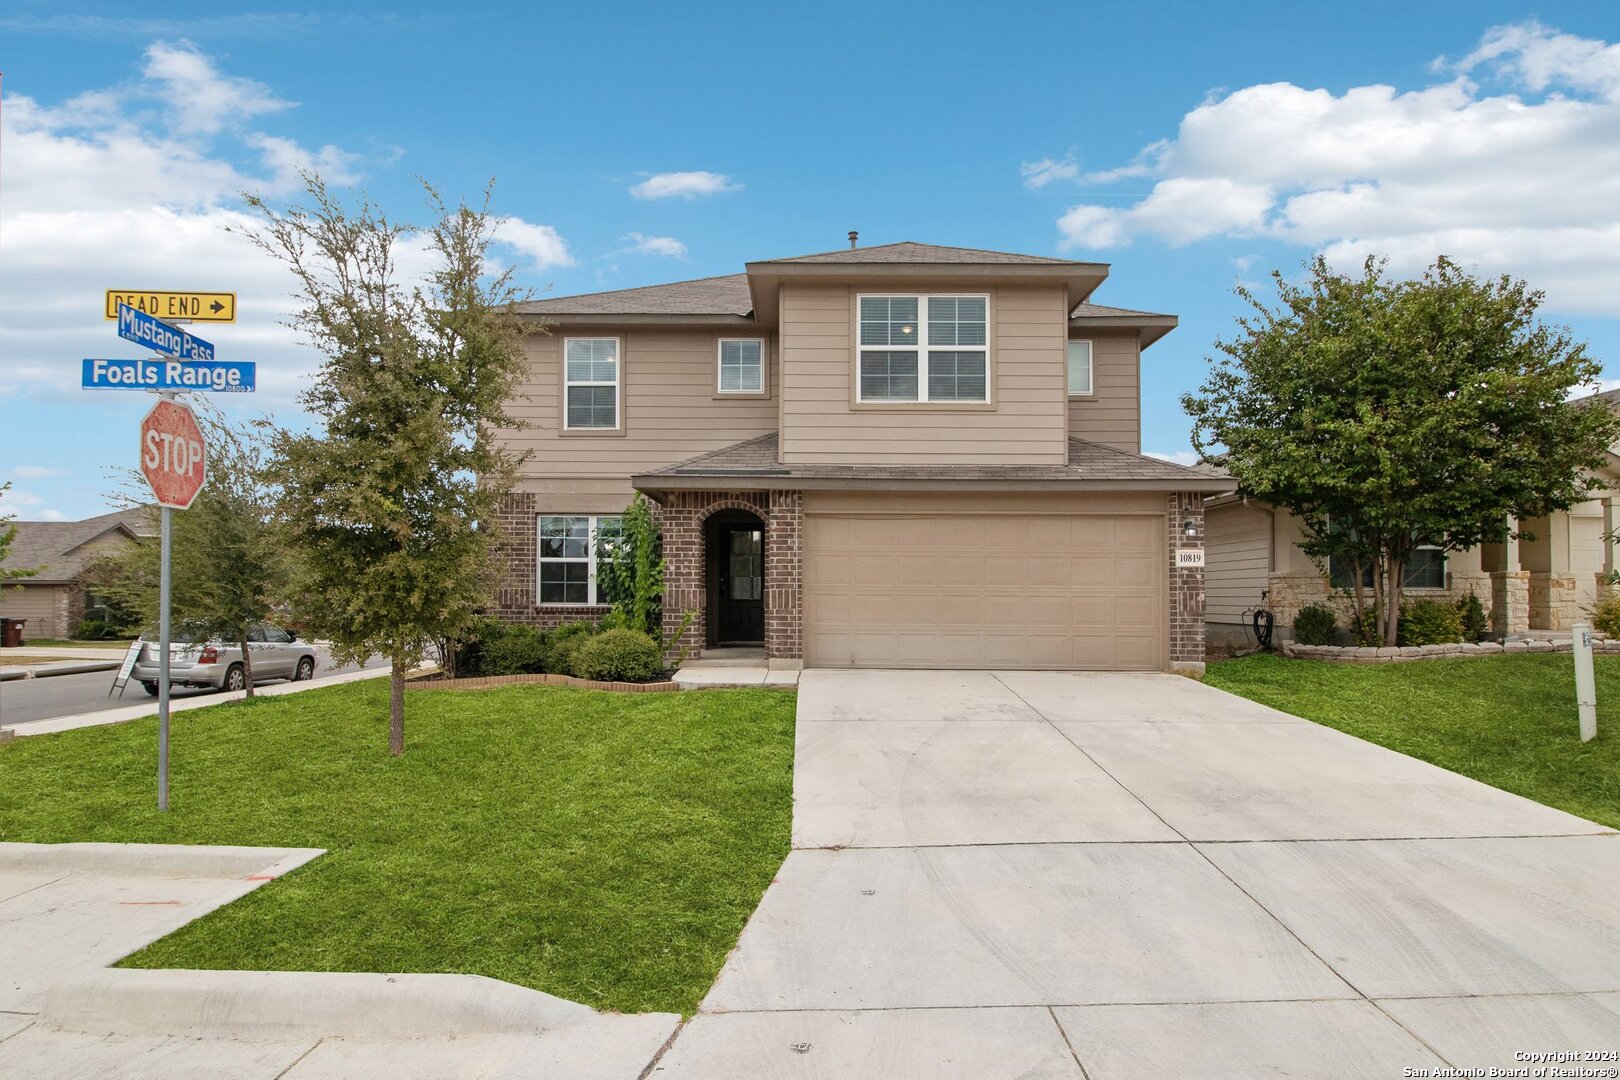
1508	721
603	847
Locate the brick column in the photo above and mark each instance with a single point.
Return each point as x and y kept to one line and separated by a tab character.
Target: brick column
784	580
515	566
1186	586
683	573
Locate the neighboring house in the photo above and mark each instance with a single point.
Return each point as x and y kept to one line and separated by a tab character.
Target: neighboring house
53	599
1545	582
895	456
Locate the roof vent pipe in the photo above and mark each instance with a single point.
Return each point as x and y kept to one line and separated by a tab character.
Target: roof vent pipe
853	236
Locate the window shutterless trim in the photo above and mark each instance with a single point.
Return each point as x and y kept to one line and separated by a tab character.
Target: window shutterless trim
719	358
617	384
920	350
1091	368
593	526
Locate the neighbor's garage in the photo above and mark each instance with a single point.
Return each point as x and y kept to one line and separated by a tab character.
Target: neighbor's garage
986	582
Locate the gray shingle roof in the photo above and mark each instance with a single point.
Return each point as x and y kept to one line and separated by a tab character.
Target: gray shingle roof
909	251
52	547
1089	462
1103	311
726	295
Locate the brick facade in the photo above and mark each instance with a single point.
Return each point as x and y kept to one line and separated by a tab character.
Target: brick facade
686	566
1186	585
517	570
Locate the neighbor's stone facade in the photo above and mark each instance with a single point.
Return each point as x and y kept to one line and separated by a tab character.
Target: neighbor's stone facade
1510	601
1554	601
1186	585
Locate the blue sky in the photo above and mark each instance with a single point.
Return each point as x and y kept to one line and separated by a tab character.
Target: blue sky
1191	145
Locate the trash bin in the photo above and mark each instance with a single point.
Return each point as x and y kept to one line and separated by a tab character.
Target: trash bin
11	633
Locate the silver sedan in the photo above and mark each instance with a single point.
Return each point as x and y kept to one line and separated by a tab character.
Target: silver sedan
276	653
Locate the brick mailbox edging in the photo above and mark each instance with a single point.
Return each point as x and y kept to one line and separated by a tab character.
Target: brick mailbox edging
1397	654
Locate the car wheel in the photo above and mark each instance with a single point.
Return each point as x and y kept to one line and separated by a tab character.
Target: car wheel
234	679
306	670
150	688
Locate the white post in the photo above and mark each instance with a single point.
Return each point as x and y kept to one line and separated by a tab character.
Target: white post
1585	684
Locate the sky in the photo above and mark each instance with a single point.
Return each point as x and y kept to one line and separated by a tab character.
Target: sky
1194	146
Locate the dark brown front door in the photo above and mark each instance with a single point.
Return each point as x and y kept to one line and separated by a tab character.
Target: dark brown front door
741	584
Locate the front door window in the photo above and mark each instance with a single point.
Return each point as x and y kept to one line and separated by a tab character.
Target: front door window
740	568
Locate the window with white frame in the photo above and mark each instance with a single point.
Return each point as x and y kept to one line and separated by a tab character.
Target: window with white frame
924	348
570	546
1080	369
742	366
591	383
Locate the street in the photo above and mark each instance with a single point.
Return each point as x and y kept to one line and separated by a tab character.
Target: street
26	700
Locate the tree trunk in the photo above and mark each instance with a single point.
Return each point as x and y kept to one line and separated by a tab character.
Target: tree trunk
247	666
1397	571
396	707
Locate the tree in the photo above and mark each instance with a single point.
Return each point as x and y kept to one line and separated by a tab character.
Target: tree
8	533
1391	414
392	497
230	562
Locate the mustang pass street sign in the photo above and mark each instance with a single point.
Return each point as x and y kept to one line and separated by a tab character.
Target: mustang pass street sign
219	377
174	456
196	306
159	336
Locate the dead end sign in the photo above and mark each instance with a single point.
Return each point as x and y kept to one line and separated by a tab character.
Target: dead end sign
196	306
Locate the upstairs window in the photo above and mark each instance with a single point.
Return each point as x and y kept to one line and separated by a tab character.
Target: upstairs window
591	383
1080	369
742	366
924	348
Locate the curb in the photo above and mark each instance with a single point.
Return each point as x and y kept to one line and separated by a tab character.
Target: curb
46	671
263	1004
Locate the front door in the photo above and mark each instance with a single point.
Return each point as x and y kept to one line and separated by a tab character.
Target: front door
741	585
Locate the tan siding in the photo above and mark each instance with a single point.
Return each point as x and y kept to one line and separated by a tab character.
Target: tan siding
1237	560
44	606
670	411
1113	415
821	425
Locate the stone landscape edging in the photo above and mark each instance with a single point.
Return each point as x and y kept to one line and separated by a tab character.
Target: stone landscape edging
485	682
1359	654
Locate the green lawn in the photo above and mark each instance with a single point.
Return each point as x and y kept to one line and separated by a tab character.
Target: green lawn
1506	720
603	847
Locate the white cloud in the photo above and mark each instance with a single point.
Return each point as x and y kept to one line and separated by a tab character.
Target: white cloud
541	244
198	98
52	515
36	472
667	246
1176	457
12	498
683	185
1499	181
1037	174
104	191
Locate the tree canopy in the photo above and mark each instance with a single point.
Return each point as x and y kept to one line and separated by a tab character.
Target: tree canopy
391	497
1388	414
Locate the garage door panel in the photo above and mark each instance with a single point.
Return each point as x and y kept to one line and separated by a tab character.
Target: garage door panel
986	590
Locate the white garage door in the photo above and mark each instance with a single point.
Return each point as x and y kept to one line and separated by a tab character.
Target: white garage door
1069	591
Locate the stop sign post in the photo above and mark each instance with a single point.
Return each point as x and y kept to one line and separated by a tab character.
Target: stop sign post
174	460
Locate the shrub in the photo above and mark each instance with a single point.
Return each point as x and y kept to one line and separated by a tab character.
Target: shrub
619	655
1474	623
1315	624
90	630
1606	615
1366	629
500	648
557	655
1429	622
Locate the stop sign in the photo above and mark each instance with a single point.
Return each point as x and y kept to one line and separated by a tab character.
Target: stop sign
173	455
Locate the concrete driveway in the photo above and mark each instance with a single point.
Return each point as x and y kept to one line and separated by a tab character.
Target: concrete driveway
1133	876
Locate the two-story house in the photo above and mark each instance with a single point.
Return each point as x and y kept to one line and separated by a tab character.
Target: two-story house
895	456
